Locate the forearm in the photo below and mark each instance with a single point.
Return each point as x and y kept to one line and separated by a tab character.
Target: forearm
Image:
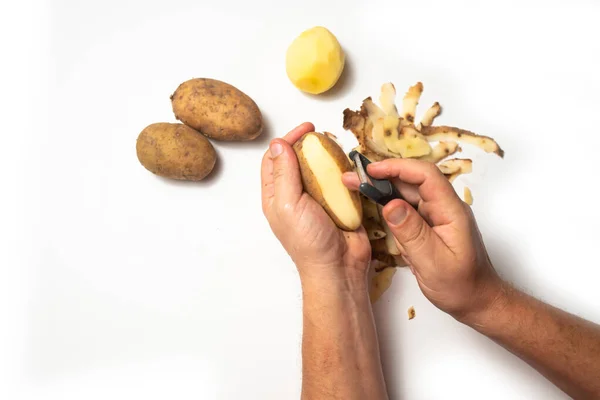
562	347
340	351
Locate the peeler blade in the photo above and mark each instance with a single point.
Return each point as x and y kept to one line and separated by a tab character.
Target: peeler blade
360	169
381	191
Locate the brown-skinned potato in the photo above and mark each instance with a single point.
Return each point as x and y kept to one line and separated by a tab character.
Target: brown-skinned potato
322	163
175	151
217	109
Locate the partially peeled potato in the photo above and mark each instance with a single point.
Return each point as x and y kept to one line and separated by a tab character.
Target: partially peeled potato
322	164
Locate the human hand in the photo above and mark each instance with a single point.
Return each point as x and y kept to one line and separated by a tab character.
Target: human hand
320	250
441	241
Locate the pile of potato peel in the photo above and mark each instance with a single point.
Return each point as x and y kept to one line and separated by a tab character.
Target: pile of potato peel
385	132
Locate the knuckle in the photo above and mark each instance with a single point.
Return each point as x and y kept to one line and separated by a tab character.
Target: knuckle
416	236
278	173
431	169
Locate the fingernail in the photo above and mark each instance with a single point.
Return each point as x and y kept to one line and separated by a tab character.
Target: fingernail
276	149
397	215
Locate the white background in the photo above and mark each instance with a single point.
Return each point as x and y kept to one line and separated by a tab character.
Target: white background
119	284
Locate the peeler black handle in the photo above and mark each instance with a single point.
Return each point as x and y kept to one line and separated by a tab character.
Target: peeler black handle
381	191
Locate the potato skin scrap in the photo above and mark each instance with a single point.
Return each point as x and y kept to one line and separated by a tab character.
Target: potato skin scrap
441	151
400	262
384	261
468	196
217	109
355	121
175	151
380	283
432	113
359	123
390	241
410	102
311	183
453	165
371	220
486	143
387	98
411	313
330	136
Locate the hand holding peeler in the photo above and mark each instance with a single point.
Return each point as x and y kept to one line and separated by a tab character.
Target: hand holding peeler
381	191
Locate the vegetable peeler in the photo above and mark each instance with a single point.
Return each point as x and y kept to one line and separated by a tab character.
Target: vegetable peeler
381	191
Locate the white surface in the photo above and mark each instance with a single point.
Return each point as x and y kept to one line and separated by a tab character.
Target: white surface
118	284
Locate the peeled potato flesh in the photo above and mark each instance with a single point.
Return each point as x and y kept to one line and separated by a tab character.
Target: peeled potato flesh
315	60
322	163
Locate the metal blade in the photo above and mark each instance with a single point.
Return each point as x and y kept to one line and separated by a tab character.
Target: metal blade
360	169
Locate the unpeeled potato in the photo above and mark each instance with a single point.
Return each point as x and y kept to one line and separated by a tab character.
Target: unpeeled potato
322	163
175	151
217	110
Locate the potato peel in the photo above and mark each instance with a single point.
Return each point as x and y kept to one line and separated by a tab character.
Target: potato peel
390	240
411	312
468	196
371	220
387	98
410	102
380	283
432	113
487	144
455	165
441	151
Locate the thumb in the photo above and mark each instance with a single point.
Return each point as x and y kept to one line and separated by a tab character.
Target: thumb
287	182
412	232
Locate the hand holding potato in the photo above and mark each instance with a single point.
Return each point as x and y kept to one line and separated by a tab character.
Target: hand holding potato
441	241
320	250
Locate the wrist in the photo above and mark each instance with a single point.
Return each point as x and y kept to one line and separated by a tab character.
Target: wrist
494	301
332	279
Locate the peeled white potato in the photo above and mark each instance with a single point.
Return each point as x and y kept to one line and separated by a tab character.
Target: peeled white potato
322	163
315	60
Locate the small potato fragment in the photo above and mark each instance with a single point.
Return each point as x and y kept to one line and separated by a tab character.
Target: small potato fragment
468	196
411	312
322	163
217	110
380	283
175	151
